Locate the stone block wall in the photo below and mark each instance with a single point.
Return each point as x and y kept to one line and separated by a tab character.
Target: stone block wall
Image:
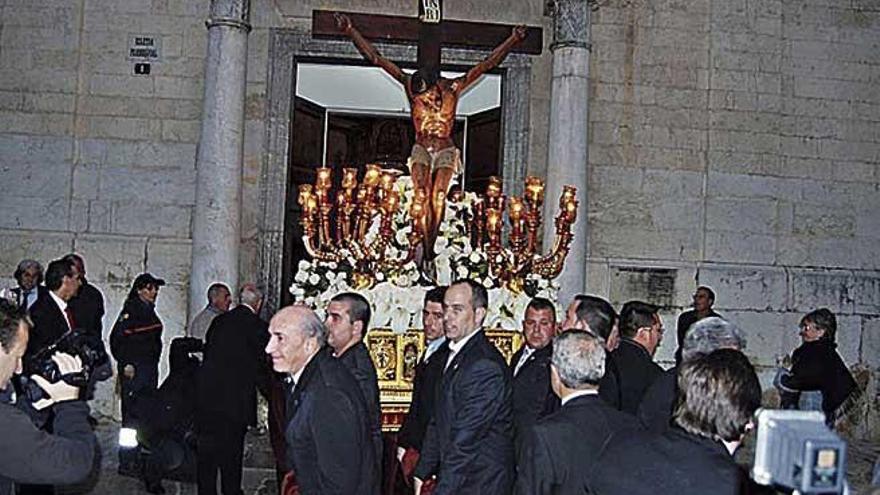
738	143
732	143
95	159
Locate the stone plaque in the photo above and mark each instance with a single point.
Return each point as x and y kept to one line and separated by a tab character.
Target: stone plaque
652	285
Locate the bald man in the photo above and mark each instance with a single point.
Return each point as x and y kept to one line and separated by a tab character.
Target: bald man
328	437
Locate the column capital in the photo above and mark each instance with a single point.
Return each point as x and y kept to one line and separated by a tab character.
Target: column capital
571	23
232	13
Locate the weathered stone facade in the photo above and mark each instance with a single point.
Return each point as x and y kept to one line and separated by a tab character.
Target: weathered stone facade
732	143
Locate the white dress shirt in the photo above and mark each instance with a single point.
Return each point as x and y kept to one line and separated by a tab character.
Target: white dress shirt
454	347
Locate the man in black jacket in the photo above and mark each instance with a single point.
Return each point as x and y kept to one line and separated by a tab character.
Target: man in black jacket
469	443
560	450
640	331
428	373
234	363
703	299
329	446
88	303
718	393
29	455
29	275
706	335
347	322
533	397
51	314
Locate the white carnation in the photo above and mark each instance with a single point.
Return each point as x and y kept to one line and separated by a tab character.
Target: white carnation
402	280
461	271
314	279
475	257
304	265
301	276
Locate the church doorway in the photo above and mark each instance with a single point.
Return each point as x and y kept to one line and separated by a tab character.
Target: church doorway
292	124
346	116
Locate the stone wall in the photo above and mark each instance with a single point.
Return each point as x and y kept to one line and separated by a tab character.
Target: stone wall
732	143
738	144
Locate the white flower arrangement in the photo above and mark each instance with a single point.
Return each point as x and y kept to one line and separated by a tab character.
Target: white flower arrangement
398	291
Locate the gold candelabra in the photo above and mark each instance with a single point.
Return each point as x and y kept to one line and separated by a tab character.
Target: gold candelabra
358	205
512	264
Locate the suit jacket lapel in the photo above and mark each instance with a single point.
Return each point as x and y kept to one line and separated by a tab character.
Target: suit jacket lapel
457	358
299	389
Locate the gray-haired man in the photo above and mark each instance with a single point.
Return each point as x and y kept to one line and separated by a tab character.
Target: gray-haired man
328	438
561	448
705	336
219	300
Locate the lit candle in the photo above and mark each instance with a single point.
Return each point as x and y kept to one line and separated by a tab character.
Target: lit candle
391	200
535	190
305	192
493	217
387	181
371	177
493	190
323	180
516	209
349	178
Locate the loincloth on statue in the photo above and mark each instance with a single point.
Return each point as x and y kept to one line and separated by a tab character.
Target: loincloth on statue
446	158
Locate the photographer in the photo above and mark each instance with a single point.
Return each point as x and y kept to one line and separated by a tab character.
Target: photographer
29	455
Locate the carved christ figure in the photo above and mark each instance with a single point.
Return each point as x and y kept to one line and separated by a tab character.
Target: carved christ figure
433	99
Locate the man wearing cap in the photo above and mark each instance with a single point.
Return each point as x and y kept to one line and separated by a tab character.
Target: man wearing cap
136	340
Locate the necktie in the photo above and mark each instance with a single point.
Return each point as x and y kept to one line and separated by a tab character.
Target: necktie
25	296
70	320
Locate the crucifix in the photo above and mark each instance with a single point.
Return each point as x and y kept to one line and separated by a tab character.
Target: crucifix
434	160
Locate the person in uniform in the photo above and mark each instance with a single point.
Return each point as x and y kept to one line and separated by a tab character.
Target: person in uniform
136	340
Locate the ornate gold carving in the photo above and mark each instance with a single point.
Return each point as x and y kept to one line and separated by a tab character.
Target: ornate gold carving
395	357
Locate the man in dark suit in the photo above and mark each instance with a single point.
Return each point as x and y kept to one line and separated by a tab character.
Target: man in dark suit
718	393
51	314
88	303
560	450
429	371
234	365
533	397
29	276
703	300
641	331
347	322
329	446
469	442
52	318
706	335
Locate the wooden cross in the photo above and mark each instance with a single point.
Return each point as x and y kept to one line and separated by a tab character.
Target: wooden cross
430	31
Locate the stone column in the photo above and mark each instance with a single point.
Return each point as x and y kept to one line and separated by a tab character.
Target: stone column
567	156
217	218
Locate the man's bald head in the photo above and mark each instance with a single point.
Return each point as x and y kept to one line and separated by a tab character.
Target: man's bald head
296	335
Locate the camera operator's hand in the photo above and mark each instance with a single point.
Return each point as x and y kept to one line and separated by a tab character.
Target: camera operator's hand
59	391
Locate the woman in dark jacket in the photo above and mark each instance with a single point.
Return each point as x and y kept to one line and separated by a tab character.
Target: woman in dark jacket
817	367
136	341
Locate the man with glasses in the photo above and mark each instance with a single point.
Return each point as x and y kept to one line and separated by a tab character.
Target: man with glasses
641	331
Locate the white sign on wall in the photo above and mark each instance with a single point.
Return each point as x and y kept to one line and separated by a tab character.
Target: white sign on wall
144	47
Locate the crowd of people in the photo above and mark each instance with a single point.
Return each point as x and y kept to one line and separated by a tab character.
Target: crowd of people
582	406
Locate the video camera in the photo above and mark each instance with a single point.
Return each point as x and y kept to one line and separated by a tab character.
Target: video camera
797	451
90	350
